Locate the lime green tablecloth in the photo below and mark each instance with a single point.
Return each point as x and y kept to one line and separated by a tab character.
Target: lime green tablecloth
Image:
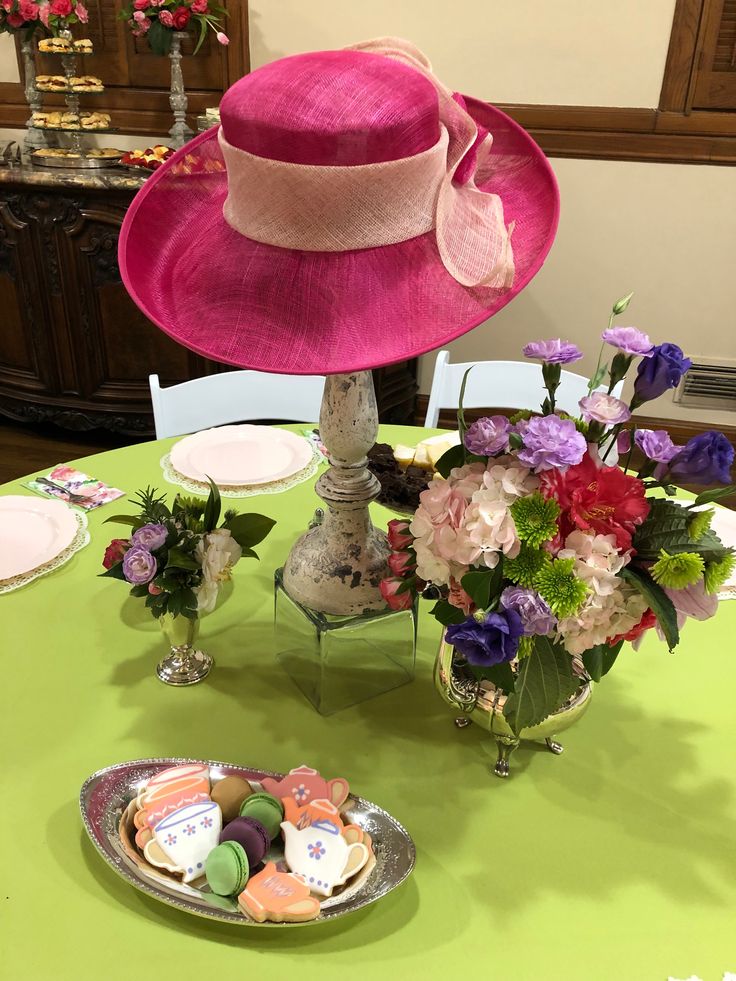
613	861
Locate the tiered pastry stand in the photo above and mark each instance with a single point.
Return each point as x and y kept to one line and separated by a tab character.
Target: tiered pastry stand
69	63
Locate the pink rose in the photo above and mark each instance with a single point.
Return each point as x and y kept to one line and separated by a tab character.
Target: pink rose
389	588
138	15
115	552
165	17
140	4
181	17
81	11
400	563
154	590
199	6
28	9
15	20
61	8
43	14
398	535
223	38
6	5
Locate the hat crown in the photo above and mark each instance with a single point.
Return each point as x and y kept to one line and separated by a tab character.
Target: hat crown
332	108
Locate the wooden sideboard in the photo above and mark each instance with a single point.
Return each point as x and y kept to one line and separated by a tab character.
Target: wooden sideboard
74	348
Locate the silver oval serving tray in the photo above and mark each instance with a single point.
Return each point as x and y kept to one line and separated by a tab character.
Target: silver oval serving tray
105	797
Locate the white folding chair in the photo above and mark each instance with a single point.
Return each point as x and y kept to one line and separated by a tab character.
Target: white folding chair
234	396
505	384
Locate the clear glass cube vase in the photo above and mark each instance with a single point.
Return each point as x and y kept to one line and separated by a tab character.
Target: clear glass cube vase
338	661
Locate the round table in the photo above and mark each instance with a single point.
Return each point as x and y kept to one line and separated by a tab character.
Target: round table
614	861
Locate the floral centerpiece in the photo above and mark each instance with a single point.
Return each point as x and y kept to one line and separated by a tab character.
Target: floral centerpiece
19	16
176	559
545	556
158	19
60	15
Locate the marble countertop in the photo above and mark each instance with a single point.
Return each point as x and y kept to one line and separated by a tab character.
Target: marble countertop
112	178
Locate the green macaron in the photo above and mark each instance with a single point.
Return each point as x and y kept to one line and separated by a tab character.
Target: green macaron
227	869
264	808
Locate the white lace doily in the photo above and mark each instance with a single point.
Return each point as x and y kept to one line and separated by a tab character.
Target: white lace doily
80	540
173	476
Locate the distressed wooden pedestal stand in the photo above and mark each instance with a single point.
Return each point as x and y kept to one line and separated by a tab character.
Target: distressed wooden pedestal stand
336	567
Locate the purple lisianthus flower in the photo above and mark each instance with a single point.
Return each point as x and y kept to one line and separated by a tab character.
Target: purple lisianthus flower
139	565
491	641
150	536
705	459
488	436
629	340
551	442
661	371
536	616
604	408
656	444
623	441
553	351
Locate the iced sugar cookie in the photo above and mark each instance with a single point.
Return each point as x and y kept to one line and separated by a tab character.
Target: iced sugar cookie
281	897
187	836
321	855
305	784
317	810
200	770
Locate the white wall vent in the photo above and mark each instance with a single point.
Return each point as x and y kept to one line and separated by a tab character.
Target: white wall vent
709	384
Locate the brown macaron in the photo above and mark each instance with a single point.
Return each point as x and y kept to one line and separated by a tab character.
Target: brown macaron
229	793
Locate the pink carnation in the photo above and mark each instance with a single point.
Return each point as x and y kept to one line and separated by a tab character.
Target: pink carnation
6	4
61	8
15	20
166	18
28	9
82	13
199	6
606	409
43	14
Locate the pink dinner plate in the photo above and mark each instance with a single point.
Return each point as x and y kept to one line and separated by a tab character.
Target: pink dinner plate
235	455
32	532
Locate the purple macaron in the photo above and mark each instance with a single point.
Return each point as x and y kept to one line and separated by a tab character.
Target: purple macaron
251	834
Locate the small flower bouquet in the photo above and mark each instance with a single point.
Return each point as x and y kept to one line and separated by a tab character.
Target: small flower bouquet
60	15
178	557
158	19
545	556
21	16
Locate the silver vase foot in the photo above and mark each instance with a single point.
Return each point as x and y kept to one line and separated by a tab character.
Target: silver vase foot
554	747
505	749
462	721
184	666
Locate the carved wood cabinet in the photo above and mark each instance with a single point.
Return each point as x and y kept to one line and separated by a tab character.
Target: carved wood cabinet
74	348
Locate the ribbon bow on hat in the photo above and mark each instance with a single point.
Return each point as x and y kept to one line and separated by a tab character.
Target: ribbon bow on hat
340	208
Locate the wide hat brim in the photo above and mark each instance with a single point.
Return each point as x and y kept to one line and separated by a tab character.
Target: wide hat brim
252	305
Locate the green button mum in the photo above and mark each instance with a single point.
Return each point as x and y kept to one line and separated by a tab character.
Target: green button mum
535	519
678	571
561	588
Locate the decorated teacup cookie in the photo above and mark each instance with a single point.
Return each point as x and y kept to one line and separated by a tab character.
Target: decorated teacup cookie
186	837
281	897
305	784
198	770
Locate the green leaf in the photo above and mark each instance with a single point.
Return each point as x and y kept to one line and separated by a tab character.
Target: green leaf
600	659
446	613
544	683
478	587
667	527
658	601
249	553
139	590
159	38
249	529
500	675
202	34
715	495
125	519
178	559
114	572
212	507
454	457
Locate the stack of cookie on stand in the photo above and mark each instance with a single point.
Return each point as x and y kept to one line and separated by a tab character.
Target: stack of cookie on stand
280	848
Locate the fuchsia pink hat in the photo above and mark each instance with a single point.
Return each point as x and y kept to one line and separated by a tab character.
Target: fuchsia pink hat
350	212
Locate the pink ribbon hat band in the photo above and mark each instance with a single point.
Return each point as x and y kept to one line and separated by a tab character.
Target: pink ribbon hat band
350	212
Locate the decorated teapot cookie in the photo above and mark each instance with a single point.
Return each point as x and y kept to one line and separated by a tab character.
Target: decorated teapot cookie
305	784
321	855
279	897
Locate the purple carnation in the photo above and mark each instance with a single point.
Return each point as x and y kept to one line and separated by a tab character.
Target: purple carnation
150	537
656	444
629	340
536	616
139	565
705	459
551	442
553	351
603	408
488	436
493	640
661	371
